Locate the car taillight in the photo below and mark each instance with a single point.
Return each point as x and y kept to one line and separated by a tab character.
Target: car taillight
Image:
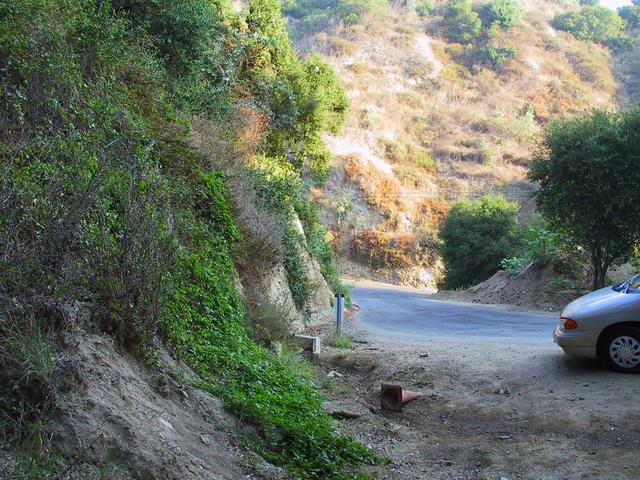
569	324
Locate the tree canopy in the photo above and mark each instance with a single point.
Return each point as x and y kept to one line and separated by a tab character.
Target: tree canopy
587	169
631	15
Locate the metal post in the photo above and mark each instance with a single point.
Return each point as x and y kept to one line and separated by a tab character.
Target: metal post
340	312
337	305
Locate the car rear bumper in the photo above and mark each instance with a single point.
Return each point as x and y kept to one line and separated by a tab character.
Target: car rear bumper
576	344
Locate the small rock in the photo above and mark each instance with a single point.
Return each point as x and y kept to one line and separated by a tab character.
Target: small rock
502	391
334	374
504	437
206	440
165	423
424	355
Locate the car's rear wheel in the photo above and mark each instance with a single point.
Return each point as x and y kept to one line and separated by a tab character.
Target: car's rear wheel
622	349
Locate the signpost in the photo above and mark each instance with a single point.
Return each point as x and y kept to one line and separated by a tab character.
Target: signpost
339	303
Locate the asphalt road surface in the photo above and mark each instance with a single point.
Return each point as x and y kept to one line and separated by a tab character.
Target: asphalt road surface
400	312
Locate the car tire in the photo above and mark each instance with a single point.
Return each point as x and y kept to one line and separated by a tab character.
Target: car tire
622	349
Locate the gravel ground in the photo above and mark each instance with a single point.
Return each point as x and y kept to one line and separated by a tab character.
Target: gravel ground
491	411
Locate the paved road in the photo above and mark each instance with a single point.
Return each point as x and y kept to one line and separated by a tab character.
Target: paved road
397	312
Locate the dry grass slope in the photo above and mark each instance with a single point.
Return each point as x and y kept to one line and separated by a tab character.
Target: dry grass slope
433	121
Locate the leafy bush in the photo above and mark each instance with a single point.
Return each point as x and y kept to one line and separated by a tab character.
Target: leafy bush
496	56
511	265
476	236
320	243
426	8
621	44
589	3
316	22
304	99
351	11
591	23
505	13
544	247
461	24
424	160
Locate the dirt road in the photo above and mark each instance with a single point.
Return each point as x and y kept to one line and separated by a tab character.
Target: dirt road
493	410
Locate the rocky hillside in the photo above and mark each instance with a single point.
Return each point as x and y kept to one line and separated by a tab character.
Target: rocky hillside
436	117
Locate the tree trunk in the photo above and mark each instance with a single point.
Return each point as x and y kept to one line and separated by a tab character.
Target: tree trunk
599	266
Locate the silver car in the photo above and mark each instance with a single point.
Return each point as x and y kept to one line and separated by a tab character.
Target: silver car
604	324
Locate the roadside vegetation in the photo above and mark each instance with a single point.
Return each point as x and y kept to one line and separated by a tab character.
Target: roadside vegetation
105	201
476	236
585	167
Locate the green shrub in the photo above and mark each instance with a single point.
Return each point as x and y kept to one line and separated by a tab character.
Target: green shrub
544	247
591	23
425	161
278	189
426	8
316	22
320	243
303	99
460	23
351	11
505	13
511	265
496	57
589	3
303	8
476	236
621	44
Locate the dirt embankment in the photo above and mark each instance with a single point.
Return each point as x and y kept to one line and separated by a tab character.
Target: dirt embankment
491	411
533	288
113	416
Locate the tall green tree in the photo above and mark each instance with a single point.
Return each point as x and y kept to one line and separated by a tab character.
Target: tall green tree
631	15
587	169
476	236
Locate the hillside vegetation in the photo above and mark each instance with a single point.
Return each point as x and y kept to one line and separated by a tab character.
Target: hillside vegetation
448	100
106	206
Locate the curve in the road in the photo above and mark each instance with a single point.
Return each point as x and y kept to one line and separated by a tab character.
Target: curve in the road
399	312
